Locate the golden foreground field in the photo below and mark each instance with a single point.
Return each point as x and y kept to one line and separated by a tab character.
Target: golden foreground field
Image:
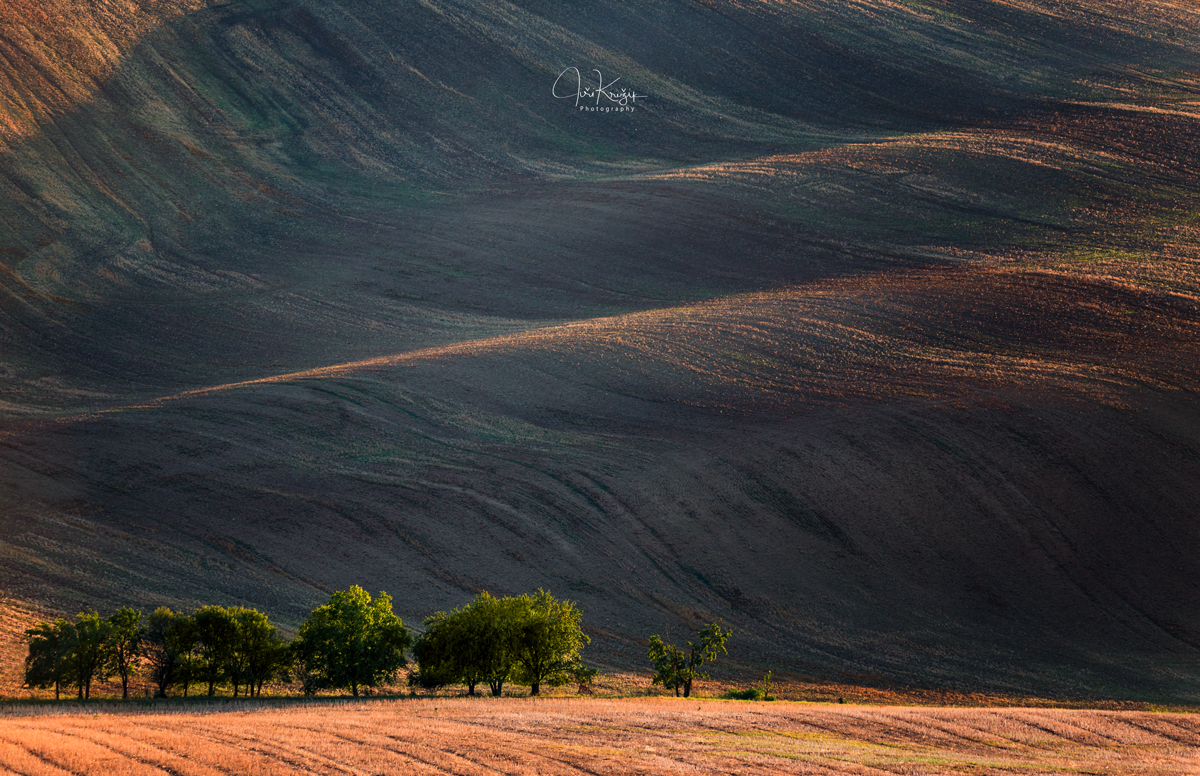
479	736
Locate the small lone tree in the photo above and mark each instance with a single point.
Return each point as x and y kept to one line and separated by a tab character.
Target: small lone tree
49	662
584	677
352	642
764	687
677	668
126	633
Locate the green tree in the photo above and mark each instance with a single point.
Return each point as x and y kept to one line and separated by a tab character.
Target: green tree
675	667
474	644
49	662
548	641
352	641
260	654
437	653
237	669
668	661
495	628
168	646
301	671
126	632
91	650
215	628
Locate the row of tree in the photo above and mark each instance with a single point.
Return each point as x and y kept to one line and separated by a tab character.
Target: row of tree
63	653
214	645
351	642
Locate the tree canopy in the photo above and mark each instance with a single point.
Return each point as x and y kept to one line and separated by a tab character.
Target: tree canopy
92	651
474	644
548	641
259	652
170	641
215	629
49	662
352	641
530	639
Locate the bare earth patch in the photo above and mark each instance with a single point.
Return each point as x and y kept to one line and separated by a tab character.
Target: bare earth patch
477	736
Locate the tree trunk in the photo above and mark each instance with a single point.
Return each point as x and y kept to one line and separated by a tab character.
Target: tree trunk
212	687
471	689
676	691
535	688
497	689
687	688
354	687
56	688
125	687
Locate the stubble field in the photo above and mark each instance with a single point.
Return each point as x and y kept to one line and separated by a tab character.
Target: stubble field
480	736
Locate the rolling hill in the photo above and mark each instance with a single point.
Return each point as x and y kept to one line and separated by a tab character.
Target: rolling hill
872	330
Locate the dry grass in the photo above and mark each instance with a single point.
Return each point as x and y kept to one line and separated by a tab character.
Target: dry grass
15	618
463	736
614	685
